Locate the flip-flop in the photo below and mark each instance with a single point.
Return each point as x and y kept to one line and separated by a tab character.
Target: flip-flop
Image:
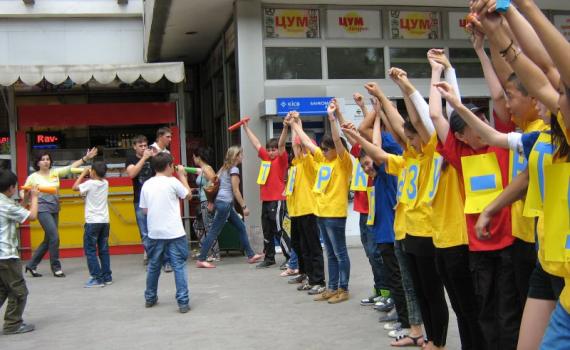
416	341
289	272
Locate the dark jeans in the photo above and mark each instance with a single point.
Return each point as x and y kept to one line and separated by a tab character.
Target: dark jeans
431	297
272	214
414	313
177	248
500	310
49	222
96	242
225	211
338	262
297	250
368	240
13	288
453	267
311	249
524	261
394	280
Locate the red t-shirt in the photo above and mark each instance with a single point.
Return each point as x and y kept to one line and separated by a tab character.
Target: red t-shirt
500	226
360	202
274	187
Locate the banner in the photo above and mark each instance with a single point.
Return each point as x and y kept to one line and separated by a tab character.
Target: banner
291	23
414	25
354	24
457	23
562	22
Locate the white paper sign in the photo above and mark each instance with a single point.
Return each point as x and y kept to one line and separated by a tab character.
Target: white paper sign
354	24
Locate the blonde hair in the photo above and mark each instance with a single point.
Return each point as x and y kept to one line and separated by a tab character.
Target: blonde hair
231	155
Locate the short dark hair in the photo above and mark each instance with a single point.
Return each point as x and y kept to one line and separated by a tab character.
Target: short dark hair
161	161
456	123
163	131
140	139
204	153
362	153
328	142
518	85
39	157
410	127
7	179
100	168
272	143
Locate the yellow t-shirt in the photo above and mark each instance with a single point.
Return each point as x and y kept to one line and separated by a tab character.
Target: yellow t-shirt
522	226
449	226
52	180
302	201
332	201
418	215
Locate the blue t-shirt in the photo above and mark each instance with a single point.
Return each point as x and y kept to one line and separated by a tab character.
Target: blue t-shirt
528	140
385	188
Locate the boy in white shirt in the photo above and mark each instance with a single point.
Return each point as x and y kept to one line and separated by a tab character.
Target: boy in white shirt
96	234
160	198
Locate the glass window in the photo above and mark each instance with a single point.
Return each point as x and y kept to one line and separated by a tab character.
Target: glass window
355	63
412	60
466	63
293	63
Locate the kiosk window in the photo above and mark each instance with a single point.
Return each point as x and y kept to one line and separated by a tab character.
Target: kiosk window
412	60
293	62
466	63
355	63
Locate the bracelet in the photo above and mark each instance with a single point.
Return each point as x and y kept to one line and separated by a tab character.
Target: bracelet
83	160
504	52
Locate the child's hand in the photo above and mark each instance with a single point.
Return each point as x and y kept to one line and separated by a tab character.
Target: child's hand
372	88
448	93
34	191
438	55
477	38
398	75
91	153
481	226
358	99
348	130
376	104
331	109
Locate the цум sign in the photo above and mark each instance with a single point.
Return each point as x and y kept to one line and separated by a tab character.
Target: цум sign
303	105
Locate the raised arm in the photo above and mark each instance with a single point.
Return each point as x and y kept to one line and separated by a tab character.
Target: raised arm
365	127
440	124
133	170
335	132
283	138
297	152
391	111
305	139
91	153
378	155
484	130
182	177
251	136
79	180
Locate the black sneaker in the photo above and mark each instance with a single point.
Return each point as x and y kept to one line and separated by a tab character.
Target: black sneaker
151	303
183	308
24	328
370	301
316	289
264	264
297	279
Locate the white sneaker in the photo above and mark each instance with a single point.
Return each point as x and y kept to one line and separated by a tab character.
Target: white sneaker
397	333
390	326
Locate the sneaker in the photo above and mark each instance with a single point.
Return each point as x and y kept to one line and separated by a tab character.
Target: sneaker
341	295
265	264
151	303
384	304
93	283
326	295
24	328
373	299
398	333
210	259
391	316
184	308
297	279
316	289
305	286
108	283
390	326
167	268
255	258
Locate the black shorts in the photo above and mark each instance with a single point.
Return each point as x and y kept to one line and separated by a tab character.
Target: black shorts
543	285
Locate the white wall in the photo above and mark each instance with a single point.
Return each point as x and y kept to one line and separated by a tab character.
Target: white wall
60	41
70	8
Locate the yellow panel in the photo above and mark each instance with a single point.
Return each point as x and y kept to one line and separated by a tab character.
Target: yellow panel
124	230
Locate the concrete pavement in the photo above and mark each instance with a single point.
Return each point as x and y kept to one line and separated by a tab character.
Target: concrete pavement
234	306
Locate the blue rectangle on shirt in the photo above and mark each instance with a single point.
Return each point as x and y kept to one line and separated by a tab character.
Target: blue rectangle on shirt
303	105
483	182
568	242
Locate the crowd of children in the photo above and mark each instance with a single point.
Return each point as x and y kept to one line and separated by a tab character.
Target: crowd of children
464	201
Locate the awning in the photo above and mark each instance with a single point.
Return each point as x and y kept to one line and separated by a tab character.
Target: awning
81	74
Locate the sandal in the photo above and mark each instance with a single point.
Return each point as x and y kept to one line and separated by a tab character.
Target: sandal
416	341
289	272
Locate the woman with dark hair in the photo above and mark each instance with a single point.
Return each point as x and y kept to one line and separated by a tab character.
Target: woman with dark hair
48	208
202	157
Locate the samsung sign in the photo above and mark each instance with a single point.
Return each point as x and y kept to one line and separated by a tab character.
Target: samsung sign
303	105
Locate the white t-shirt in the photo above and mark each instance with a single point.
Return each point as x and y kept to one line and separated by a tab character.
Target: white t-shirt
160	195
158	149
96	207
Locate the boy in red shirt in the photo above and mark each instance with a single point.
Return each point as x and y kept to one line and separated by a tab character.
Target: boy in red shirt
271	180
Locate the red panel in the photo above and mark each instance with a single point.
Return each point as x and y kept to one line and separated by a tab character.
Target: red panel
113	182
97	114
175	144
113	250
22	172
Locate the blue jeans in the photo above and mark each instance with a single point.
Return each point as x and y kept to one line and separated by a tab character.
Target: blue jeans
293	260
96	242
368	239
557	335
414	313
177	248
338	262
49	222
225	212
143	230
